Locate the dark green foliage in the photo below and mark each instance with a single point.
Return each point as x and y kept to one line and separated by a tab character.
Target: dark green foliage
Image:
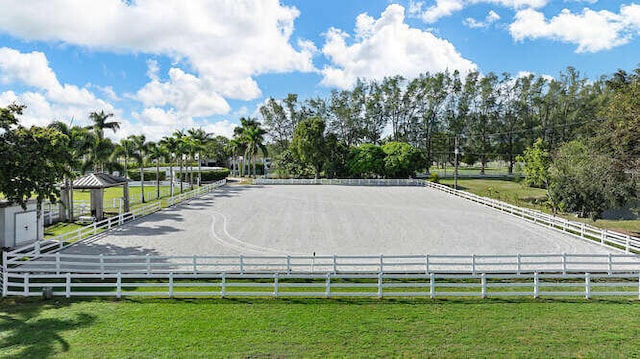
587	182
308	145
215	175
366	161
401	160
134	175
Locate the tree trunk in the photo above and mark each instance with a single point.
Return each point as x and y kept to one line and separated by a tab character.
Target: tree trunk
142	182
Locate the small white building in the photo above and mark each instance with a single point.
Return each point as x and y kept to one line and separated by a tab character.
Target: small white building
19	226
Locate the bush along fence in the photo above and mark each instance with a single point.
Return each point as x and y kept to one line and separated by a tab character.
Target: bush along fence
606	238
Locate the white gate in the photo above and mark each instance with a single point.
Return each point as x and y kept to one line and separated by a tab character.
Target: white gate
26	227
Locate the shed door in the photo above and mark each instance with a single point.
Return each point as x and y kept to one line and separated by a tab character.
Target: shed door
26	227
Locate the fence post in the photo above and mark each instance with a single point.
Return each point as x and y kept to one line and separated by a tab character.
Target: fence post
536	292
426	264
587	285
37	247
148	262
288	264
381	263
335	264
473	264
564	263
483	279
275	285
628	239
67	292
518	264
241	264
95	230
380	285
223	285
610	264
119	285
195	265
25	283
327	286
58	263
101	266
5	275
432	286
170	284
603	235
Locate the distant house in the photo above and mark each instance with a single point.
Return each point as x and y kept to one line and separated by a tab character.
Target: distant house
19	226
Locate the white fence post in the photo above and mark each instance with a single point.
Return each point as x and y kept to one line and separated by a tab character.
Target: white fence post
381	263
119	285
288	263
536	290
58	263
275	285
518	264
426	264
101	266
327	286
587	285
335	264
432	285
67	292
25	283
483	280
380	279
223	285
5	275
170	284
564	263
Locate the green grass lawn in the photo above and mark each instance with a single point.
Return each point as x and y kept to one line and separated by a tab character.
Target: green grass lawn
523	196
268	328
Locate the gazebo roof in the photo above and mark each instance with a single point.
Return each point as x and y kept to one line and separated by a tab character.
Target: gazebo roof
97	180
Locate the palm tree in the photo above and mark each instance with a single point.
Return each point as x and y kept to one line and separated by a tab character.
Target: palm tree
140	153
101	147
199	138
170	145
78	147
181	151
235	147
156	152
251	135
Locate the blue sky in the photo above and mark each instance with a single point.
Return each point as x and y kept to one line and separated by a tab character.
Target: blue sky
164	65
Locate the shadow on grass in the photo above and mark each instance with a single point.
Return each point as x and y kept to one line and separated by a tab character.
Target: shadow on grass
27	333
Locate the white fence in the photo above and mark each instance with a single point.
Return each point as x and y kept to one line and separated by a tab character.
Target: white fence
610	239
340	181
326	285
518	264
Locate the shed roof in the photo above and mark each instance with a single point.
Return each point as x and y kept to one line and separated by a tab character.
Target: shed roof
97	180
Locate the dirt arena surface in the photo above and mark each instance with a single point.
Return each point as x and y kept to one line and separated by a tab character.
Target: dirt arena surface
327	220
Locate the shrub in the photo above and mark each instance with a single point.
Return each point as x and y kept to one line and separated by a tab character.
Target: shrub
433	177
213	175
134	175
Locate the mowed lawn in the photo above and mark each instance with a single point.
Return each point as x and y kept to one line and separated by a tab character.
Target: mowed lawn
270	328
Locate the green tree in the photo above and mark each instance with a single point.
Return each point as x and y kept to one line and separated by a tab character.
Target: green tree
308	144
140	153
101	148
251	135
33	160
156	152
401	160
587	182
536	161
366	160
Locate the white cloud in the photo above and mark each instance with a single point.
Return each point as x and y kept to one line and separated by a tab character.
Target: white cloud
384	47
591	30
224	43
444	8
48	99
492	17
158	123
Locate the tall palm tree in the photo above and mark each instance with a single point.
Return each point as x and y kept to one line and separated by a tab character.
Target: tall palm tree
199	139
182	148
235	148
251	135
170	145
156	152
79	146
140	154
101	147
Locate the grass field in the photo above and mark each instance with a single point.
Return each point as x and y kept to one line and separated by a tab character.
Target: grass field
266	328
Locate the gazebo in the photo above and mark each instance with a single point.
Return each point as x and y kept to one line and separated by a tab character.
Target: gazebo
96	182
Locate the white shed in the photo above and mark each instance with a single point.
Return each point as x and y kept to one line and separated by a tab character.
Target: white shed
19	226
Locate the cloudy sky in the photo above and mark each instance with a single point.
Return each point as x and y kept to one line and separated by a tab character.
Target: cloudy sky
163	65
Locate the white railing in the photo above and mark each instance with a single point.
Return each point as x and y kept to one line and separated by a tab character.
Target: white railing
340	181
328	285
470	264
607	238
